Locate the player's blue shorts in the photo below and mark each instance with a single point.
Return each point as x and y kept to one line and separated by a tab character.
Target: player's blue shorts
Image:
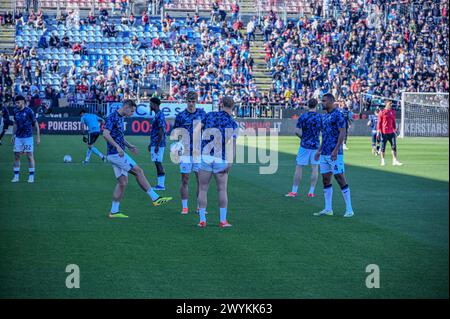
213	164
188	164
306	156
327	165
121	165
157	157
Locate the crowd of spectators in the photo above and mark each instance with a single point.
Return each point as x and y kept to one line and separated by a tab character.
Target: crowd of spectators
399	47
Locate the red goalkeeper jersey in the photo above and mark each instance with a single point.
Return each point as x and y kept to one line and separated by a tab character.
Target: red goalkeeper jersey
386	121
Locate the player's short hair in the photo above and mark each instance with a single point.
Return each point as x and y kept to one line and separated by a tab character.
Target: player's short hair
329	96
19	98
192	96
129	102
312	103
228	102
155	100
82	112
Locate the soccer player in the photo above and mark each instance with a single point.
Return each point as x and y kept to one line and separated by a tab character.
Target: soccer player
22	138
158	141
122	163
308	130
348	118
373	121
92	122
187	119
219	135
332	157
387	129
6	122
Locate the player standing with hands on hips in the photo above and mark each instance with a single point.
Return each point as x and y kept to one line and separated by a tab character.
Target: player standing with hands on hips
332	157
387	129
22	138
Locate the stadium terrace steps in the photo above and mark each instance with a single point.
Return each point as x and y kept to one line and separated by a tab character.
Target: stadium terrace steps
7	37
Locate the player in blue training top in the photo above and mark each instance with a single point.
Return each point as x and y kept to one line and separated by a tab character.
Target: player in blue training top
373	122
218	149
92	122
186	123
331	155
122	163
22	138
348	119
308	130
158	141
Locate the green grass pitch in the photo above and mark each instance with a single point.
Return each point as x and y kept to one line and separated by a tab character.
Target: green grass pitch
276	248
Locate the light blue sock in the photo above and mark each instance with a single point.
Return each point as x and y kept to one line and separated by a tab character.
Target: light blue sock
202	214
88	155
161	180
223	214
97	152
152	194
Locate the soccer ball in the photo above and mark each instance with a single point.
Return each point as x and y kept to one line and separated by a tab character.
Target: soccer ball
67	159
177	148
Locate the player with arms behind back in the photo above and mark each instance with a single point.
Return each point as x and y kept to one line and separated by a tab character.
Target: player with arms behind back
22	138
308	130
332	157
220	130
92	122
158	141
122	163
191	120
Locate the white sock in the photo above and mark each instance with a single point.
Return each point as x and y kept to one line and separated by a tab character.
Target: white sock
328	192
294	189
202	214
311	190
152	194
88	155
161	180
223	214
31	171
115	207
184	203
97	152
16	171
347	199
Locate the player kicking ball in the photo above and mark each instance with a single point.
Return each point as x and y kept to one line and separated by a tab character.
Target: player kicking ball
158	142
92	122
386	129
122	163
22	138
332	157
191	121
308	130
220	130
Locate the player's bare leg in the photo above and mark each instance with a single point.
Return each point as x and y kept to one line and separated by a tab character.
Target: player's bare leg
118	193
314	178
143	183
395	161
31	165
184	192
204	178
16	167
222	186
296	181
340	178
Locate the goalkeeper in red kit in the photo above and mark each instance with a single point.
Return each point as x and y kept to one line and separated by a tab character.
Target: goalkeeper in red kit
387	130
